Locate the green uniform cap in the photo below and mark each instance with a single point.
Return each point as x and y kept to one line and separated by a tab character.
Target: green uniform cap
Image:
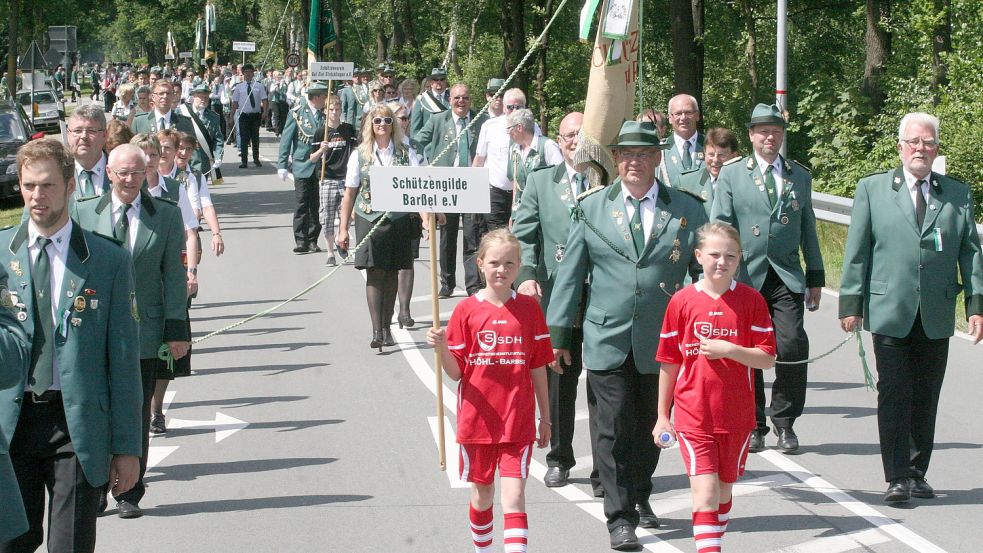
635	133
316	88
765	114
438	73
201	89
494	85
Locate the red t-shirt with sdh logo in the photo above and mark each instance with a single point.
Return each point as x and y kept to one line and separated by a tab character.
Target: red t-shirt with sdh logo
714	396
496	347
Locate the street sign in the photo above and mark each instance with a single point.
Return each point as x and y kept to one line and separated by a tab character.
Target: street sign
243	46
292	59
436	189
331	70
184	55
168	56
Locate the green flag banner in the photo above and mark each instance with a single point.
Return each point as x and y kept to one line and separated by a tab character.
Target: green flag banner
314	32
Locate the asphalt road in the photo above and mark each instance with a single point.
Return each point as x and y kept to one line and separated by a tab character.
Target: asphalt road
293	435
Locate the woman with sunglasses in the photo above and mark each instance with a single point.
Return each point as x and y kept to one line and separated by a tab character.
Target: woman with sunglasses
389	248
376	97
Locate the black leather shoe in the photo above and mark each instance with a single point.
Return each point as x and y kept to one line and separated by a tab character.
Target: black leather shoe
405	320
377	340
556	477
921	489
623	539
314	248
243	166
301	248
757	442
646	517
257	163
125	509
898	491
445	292
788	442
157	425
103	503
387	337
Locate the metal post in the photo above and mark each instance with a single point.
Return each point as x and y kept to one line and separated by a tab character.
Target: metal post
14	8
781	84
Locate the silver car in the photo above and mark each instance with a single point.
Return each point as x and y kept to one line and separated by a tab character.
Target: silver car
49	111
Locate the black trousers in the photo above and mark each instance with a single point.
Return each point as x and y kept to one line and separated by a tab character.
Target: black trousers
625	452
788	392
148	375
307	225
248	133
498	217
44	461
563	405
279	117
910	371
448	248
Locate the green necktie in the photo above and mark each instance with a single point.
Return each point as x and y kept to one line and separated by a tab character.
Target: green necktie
85	183
42	350
122	229
770	185
687	157
463	145
580	182
637	233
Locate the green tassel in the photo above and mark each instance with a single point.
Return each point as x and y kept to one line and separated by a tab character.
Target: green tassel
164	354
869	382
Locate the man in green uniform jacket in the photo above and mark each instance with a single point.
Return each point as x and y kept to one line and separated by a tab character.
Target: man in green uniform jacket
296	145
684	146
77	420
635	241
912	239
721	146
769	200
15	361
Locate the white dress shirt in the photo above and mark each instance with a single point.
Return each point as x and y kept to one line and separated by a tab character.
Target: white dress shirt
382	157
57	257
911	181
132	216
778	172
683	143
187	212
99	181
648	206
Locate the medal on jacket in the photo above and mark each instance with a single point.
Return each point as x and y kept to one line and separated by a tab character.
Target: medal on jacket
15	267
560	252
676	253
756	230
79	304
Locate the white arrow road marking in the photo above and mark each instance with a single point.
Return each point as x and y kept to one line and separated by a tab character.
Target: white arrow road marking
156	454
838	544
223	424
450	446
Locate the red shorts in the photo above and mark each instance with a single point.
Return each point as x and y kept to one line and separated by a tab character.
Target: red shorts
478	461
721	453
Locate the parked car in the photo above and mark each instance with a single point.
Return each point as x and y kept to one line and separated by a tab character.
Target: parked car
50	110
15	131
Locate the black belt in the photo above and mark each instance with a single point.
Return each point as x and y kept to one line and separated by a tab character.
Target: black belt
47	397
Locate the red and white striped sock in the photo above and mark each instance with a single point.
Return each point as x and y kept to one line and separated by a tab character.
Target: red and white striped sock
482	523
706	532
516	532
723	515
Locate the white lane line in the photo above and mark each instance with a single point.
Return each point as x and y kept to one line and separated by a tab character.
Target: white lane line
859	508
838	544
581	415
453	469
158	453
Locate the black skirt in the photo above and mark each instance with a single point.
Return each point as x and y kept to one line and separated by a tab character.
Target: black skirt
389	247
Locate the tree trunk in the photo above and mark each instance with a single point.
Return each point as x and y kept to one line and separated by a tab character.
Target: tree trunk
398	39
538	25
698	47
412	49
474	29
878	50
339	48
380	46
941	48
684	54
513	35
751	50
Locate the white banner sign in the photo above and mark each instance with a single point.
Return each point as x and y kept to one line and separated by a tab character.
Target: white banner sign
184	54
243	46
437	189
331	70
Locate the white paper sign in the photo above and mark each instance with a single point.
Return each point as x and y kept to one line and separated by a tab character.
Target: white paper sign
243	46
436	189
184	54
331	70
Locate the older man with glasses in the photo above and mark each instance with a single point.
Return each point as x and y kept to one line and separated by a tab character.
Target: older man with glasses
86	140
684	148
431	102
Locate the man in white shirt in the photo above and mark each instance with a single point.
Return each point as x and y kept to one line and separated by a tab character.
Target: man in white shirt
684	150
249	102
86	139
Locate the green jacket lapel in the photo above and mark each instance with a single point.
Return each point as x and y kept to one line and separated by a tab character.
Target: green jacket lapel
755	176
147	224
561	183
935	193
902	198
19	275
75	270
662	216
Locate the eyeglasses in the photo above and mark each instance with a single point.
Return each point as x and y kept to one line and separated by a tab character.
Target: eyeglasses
382	121
641	156
683	114
569	136
514	106
461	98
929	144
82	131
128	174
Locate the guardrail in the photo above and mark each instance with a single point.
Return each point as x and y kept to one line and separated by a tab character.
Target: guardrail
835	209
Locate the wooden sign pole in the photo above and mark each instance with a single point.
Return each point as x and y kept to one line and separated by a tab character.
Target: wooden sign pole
438	368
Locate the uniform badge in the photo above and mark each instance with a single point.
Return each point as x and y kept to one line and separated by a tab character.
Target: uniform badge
784	219
79	304
69	294
795	205
675	159
750	162
676	253
699	155
15	267
897	180
89	292
94	303
682	225
6	300
561	250
756	230
76	322
22	316
932	207
134	312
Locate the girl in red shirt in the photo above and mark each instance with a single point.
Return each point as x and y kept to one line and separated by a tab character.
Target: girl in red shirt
497	344
714	333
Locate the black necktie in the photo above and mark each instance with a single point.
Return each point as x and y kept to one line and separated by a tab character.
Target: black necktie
919	204
122	229
42	350
249	92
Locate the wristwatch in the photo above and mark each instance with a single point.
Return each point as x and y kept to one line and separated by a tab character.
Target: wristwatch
193	271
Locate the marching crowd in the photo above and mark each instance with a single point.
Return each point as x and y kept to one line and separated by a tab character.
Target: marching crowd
674	286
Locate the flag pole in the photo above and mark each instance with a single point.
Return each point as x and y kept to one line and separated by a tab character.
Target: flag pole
438	369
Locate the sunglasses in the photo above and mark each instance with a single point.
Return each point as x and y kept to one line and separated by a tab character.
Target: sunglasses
514	106
382	121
